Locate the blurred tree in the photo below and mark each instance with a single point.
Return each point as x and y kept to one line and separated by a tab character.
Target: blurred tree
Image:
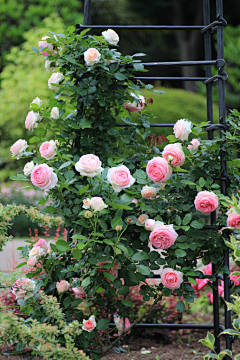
18	16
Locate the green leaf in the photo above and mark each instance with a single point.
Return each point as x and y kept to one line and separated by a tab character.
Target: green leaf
120	206
123	248
70	59
83	190
139	256
86	281
64	165
71	29
188	298
225	352
187	218
126	303
102	324
62	246
19	177
109	276
120	76
77	254
50	209
33	139
144	270
20	265
180	253
84	124
197	224
117	220
178	220
171	138
35	50
67	302
180	306
123	290
201	182
231	332
133	277
210	356
138	66
108	242
187	182
192	281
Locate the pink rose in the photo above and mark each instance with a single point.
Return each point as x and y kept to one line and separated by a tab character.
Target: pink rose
42	244
89	165
233	220
171	279
158	170
55	79
31	120
86	203
111	36
182	129
97	203
208	269
235	279
163	237
141	219
119	322
149	224
90	324
31	262
18	148
148	192
62	286
134	201
135	106
206	202
92	56
23	288
50	47
43	177
195	144
79	292
176	152
120	178
47	149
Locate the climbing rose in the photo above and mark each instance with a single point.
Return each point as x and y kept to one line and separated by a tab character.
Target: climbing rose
62	286
37	252
134	106
79	292
92	56
86	203
89	165
195	144
141	220
55	79
42	243
55	113
18	148
23	288
171	279
48	65
111	36
31	262
163	237
148	192
158	170
206	202
45	44
31	120
149	224
47	149
37	101
120	178
182	129
90	324
233	220
28	168
175	153
97	203
43	177
119	322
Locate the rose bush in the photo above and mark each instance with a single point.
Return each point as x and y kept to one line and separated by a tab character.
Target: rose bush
111	191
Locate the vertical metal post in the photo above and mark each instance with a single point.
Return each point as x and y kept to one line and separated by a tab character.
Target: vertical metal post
87	9
221	96
208	72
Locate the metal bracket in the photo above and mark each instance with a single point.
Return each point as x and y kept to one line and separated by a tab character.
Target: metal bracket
223	126
212	27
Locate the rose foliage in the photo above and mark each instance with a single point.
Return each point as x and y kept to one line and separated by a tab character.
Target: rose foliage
107	184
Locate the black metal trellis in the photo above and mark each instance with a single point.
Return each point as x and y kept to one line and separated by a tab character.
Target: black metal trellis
206	29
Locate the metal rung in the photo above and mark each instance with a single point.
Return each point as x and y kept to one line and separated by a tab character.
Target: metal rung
151	125
218	63
178	78
172	326
141	27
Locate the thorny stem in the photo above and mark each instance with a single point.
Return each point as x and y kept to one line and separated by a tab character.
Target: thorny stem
128	329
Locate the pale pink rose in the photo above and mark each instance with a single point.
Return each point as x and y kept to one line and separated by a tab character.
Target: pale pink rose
90	324
195	144
43	177
55	79
120	178
28	168
111	36
182	129
23	288
163	237
119	322
158	224
55	113
141	220
175	153
134	201
149	224
62	286
86	203
158	170
37	101
31	262
148	192
92	56
79	292
171	279
50	47
135	106
47	149
37	252
233	220
31	120
206	202
97	203
18	148
89	165
42	243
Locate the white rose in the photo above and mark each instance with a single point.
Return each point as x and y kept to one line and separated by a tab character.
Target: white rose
182	129
55	78
158	224
149	224
89	165
148	192
18	148
36	252
92	56
86	203
48	66
28	168
97	203
37	101
55	113
111	36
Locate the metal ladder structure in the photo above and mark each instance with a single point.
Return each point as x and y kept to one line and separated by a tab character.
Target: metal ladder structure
207	29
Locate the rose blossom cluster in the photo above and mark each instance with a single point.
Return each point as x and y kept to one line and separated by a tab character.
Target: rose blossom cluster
96	203
23	288
41	248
